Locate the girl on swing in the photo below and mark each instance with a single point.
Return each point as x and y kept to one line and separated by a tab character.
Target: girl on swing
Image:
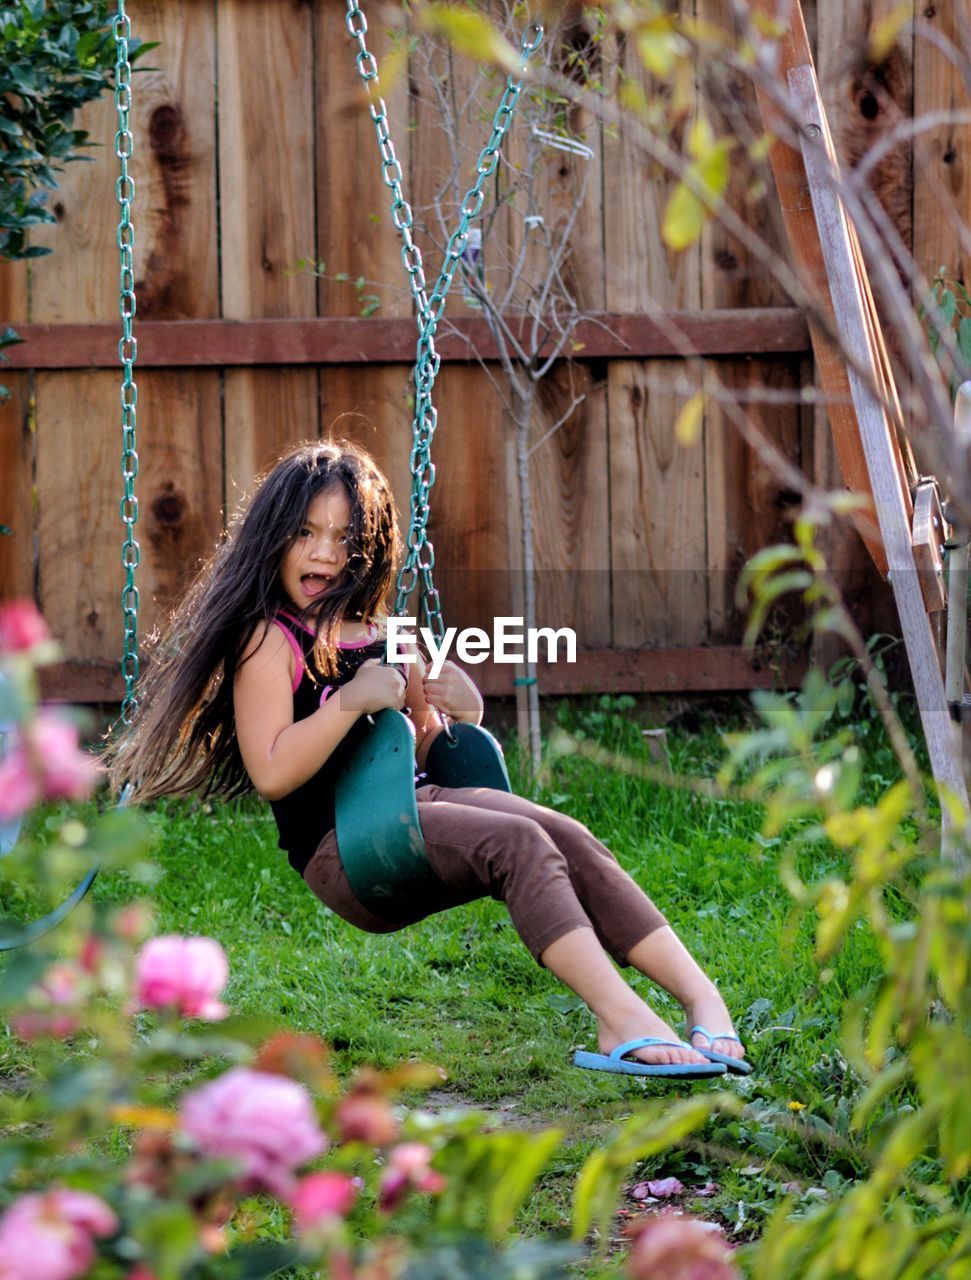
267	664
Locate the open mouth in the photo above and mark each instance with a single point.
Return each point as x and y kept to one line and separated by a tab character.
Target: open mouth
315	584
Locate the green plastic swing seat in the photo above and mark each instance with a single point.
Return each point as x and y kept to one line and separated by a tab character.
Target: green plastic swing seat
379	835
471	758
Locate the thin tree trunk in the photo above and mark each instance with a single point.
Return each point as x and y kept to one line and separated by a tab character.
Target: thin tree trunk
527	695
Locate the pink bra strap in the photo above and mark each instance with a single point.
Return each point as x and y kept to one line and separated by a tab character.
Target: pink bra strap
297	653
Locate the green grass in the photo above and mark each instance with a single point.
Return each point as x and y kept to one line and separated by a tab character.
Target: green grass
460	990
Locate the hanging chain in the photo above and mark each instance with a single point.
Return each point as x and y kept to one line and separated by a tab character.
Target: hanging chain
127	353
420	557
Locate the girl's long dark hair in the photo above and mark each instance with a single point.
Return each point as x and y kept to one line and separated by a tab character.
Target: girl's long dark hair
182	738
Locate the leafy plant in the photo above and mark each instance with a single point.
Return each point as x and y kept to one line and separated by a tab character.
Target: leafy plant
948	309
55	56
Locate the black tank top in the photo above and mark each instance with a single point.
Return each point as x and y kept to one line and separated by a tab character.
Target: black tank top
305	816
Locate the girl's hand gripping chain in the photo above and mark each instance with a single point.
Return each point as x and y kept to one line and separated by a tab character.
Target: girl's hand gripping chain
374	687
453	694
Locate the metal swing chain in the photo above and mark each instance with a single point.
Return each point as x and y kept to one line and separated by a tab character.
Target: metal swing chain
127	354
420	558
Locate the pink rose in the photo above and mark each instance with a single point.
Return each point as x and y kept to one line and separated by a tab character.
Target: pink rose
322	1198
20	787
22	627
67	772
45	760
409	1169
679	1249
50	1236
184	973
265	1122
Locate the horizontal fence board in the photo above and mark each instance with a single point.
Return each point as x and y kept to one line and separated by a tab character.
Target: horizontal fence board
688	670
353	340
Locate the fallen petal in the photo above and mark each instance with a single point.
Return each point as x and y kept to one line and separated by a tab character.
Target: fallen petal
666	1188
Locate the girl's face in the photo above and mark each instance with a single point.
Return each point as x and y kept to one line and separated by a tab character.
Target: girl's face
318	554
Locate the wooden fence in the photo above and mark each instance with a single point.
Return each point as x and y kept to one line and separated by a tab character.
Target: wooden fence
252	153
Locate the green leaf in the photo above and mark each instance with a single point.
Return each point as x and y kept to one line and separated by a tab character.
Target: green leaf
470	33
23	969
684	219
660	45
687	427
259	1261
169	1237
524	1162
964	339
645	1135
884	35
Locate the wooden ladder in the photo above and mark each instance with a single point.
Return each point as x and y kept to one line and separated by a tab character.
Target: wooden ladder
906	540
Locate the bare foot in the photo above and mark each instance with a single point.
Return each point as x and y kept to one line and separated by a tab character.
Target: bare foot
637	1024
708	1010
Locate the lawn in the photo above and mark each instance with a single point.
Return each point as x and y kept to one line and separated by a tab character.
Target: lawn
459	990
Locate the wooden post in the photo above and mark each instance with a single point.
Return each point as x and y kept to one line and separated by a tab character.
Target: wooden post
852	317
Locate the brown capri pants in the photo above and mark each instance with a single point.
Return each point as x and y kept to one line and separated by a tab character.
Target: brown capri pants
551	873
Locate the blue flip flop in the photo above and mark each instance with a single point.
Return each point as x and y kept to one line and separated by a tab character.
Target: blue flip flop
618	1062
737	1066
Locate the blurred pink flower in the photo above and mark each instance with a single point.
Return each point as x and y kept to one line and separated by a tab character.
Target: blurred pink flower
30	1025
62	984
365	1115
133	923
22	627
184	973
67	772
50	1235
265	1122
45	760
678	1249
52	1005
322	1198
20	787
409	1168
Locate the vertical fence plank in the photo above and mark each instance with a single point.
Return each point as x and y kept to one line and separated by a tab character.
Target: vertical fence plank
750	504
570	462
475	572
265	64
180	485
80	530
570	494
77	444
16	451
941	175
746	503
657	487
175	142
731	275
